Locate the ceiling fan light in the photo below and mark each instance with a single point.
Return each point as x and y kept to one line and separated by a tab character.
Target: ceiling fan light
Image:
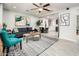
40	9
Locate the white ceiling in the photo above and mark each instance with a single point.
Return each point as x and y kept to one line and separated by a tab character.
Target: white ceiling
22	7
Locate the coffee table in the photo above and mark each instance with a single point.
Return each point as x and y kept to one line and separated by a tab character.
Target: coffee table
35	33
26	36
31	34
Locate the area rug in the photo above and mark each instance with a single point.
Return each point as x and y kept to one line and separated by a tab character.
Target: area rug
32	48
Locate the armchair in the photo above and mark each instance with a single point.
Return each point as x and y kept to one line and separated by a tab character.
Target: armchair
10	35
9	42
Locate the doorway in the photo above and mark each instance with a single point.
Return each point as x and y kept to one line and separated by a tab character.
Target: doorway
53	26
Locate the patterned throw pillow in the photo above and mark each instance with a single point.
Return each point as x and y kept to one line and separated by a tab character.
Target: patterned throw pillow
16	30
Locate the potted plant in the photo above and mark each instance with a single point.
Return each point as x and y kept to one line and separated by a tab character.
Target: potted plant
38	23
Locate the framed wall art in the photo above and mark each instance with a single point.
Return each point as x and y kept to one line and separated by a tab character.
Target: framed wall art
65	19
21	20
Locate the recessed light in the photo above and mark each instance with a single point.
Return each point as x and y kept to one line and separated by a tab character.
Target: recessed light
14	6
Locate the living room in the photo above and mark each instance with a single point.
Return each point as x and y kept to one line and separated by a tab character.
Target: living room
38	30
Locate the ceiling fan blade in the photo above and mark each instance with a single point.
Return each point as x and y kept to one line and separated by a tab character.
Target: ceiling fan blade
46	5
35	5
34	9
46	9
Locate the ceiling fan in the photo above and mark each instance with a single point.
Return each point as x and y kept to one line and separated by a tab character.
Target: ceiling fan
41	7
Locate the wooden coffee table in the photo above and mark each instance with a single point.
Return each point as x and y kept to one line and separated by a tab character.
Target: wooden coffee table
26	36
35	33
31	34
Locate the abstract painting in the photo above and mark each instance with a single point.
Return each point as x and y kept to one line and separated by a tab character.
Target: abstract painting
21	20
65	19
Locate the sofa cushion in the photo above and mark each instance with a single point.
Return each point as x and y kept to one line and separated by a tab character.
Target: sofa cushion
22	29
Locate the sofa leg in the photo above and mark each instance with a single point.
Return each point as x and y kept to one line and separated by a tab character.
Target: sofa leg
21	45
7	51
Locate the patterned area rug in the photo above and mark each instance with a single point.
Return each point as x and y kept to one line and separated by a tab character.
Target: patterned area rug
32	48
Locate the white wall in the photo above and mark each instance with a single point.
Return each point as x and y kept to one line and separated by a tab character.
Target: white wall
69	32
9	18
1	15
